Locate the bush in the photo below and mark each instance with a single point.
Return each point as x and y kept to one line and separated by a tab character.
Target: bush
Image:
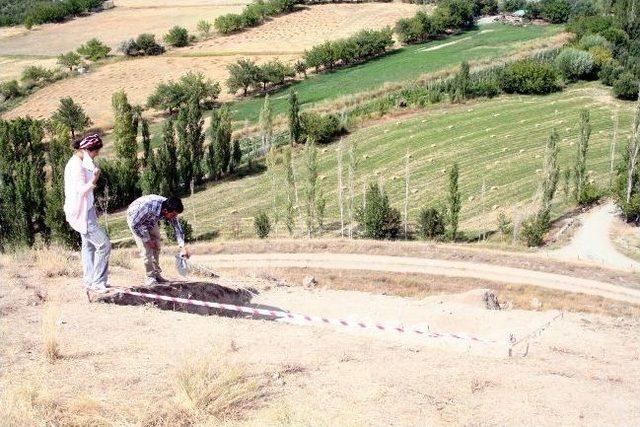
555	11
528	76
378	220
430	223
147	44
626	87
129	48
589	195
601	56
512	5
229	23
177	37
583	25
94	50
321	128
592	40
454	14
69	60
418	29
170	233
584	8
574	64
262	225
171	95
610	72
505	226
533	230
485	7
204	28
9	90
36	74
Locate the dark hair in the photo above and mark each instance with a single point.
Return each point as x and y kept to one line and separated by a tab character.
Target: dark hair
96	146
173	204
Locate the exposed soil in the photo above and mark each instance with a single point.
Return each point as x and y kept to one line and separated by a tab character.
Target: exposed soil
118	365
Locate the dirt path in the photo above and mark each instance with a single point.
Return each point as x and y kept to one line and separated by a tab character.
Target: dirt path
422	265
592	242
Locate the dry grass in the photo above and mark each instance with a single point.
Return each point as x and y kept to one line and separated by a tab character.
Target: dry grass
50	346
122	258
26	401
208	391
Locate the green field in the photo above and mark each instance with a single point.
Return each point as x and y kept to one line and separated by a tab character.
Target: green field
407	63
500	141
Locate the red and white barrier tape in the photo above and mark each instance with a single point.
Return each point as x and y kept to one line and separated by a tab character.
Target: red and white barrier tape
314	319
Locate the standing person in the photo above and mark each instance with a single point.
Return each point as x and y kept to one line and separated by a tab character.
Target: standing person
143	216
80	178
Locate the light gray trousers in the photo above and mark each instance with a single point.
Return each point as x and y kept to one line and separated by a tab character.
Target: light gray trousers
95	252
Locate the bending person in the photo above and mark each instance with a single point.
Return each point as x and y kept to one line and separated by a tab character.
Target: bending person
143	216
80	178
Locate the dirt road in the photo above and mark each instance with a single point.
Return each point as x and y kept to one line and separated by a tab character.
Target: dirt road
593	243
422	265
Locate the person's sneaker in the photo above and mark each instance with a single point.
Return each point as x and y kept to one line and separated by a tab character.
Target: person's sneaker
161	279
151	281
98	288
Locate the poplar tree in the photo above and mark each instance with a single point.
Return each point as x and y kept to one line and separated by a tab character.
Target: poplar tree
290	189
266	123
295	126
455	203
580	169
311	164
146	141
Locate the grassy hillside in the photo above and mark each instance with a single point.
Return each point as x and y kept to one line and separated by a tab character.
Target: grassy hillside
404	64
499	141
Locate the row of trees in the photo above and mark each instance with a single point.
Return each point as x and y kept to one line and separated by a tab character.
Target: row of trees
58	11
254	14
245	74
359	47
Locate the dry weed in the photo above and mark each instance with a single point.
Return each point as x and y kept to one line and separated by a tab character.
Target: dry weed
209	391
50	346
56	262
121	258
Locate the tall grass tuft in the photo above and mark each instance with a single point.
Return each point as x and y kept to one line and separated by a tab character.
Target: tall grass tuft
50	346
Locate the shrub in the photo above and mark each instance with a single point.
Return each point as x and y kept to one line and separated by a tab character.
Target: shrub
512	5
610	72
204	28
626	87
430	223
187	230
69	60
485	7
94	50
378	220
528	76
418	29
591	25
454	14
262	225
574	64
229	23
592	40
36	74
601	56
9	90
505	226
321	128
533	230
171	95
147	43
555	11
129	48
177	37
584	8
589	194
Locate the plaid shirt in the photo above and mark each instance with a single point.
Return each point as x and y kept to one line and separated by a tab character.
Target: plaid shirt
145	213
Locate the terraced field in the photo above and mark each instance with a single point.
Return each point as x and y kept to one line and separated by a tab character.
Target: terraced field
500	142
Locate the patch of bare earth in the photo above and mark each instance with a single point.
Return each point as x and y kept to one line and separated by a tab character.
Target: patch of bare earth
137	77
126	20
11	67
150	365
295	32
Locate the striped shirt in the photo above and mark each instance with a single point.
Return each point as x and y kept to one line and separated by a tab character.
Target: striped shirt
144	214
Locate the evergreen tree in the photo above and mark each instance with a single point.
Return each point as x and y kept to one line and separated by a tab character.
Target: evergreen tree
166	161
126	147
72	116
580	169
291	190
462	83
455	203
236	156
219	156
272	171
150	180
146	141
266	123
295	127
550	181
184	151
377	218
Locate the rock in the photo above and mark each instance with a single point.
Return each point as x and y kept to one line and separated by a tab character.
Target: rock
536	304
402	103
491	301
309	281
